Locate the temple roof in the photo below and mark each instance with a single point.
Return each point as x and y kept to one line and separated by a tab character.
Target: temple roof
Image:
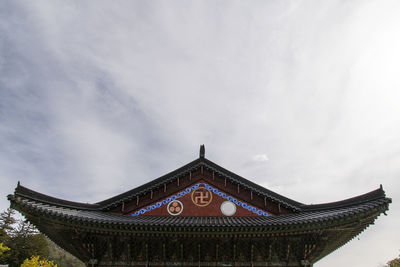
368	203
28	199
308	232
108	204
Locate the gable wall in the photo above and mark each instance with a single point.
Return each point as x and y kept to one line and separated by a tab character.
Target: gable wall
201	174
202	201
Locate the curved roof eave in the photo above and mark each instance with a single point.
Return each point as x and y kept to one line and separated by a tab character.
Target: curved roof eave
234	178
370	196
28	206
34	195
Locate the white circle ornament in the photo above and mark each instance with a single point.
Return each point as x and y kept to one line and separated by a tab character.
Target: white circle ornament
228	208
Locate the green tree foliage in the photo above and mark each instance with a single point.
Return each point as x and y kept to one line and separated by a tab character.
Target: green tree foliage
7	221
22	238
25	241
3	249
394	262
35	261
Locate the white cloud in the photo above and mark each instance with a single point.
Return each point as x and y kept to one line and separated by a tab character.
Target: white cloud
260	157
98	99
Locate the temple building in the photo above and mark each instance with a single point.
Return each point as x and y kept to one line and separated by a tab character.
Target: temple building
199	215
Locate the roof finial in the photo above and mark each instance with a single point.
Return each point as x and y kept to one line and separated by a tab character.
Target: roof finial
202	151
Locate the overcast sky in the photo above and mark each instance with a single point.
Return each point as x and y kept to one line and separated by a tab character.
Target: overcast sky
301	97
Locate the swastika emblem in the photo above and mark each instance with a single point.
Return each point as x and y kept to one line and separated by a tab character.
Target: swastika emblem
201	197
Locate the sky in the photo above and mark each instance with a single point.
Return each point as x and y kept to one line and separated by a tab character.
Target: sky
301	97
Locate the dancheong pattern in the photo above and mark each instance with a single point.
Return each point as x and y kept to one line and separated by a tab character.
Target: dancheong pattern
202	187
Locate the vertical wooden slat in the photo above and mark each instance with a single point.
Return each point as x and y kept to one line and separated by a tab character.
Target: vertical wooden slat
270	252
199	254
305	251
163	246
147	254
287	252
182	251
252	254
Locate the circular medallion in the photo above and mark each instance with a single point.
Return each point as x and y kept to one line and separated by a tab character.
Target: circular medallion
201	197
228	208
175	207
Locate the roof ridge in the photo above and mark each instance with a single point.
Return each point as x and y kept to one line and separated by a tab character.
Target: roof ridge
258	188
150	185
201	161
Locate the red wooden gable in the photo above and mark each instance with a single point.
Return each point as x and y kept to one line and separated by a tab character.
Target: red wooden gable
201	199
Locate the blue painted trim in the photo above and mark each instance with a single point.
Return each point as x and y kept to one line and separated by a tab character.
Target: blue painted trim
208	187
